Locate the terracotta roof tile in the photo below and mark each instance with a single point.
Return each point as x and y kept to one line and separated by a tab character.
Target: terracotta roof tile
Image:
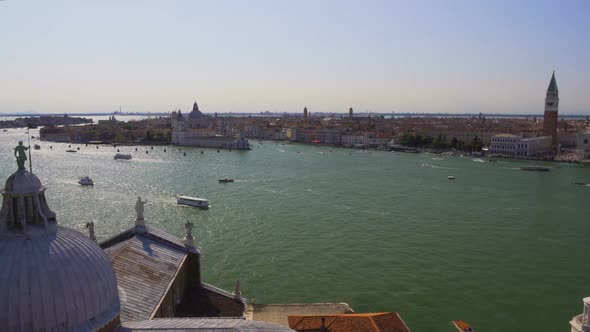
367	322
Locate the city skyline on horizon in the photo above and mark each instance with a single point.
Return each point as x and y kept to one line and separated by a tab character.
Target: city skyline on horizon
382	57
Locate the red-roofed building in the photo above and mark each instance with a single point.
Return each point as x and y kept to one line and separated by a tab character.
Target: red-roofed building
369	322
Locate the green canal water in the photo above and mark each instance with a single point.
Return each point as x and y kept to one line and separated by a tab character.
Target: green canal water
501	248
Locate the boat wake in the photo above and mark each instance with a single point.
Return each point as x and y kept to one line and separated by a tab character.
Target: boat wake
437	167
342	206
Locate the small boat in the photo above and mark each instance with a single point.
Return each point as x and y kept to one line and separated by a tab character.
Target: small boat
71	151
226	180
535	168
37	147
5	130
462	326
450	177
193	201
581	183
86	181
123	156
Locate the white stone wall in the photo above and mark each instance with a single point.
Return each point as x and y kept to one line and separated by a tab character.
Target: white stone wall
533	147
513	145
504	144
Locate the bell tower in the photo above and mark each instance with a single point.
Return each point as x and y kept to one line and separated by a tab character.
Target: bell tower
551	108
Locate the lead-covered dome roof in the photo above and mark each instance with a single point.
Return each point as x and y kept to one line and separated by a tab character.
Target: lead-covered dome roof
22	182
55	281
52	278
195	113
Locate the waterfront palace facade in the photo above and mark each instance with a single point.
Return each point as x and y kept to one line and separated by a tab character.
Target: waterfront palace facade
199	130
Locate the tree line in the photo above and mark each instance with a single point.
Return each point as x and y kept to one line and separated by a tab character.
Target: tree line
441	143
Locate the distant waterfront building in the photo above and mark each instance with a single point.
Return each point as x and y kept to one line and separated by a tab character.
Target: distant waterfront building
581	323
551	108
329	136
64	138
350	112
111	120
583	144
305	114
517	146
198	129
365	140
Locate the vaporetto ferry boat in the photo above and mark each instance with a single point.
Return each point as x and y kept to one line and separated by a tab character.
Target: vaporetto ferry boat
193	201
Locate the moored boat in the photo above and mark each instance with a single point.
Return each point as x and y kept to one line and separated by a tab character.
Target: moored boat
123	156
71	151
37	147
226	180
462	326
535	168
193	201
86	181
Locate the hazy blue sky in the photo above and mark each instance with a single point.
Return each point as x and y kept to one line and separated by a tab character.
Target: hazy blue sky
248	56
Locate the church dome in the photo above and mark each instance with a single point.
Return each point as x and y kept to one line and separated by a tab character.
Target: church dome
195	113
57	280
52	278
23	182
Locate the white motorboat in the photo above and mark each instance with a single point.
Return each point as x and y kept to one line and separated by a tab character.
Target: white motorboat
86	181
193	201
123	156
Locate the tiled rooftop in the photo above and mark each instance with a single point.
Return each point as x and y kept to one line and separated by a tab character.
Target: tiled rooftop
369	322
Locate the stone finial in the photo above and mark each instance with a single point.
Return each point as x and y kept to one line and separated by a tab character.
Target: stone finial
139	208
188	239
237	293
90	227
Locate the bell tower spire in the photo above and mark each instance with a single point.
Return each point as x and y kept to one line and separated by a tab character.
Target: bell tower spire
551	108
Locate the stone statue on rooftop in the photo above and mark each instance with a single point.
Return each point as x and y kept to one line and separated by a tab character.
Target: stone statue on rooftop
188	239
139	208
90	227
21	156
189	230
237	290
